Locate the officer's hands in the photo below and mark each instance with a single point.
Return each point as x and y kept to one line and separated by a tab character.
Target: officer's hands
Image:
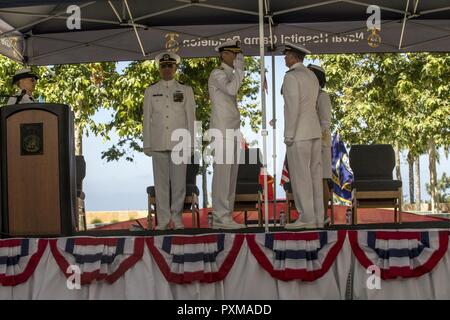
288	141
325	138
239	61
148	152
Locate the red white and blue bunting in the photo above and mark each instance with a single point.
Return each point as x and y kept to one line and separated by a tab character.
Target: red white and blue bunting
287	256
19	258
403	254
97	258
305	256
204	258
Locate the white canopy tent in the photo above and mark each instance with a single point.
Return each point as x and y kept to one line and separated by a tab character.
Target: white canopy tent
40	32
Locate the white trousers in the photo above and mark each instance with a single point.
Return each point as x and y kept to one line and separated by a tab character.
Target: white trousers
169	178
226	167
305	174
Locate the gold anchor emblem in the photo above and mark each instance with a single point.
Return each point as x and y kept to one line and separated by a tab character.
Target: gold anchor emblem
374	38
172	44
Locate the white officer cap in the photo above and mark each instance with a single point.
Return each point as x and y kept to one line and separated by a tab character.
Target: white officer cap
167	57
319	72
230	46
23	74
288	46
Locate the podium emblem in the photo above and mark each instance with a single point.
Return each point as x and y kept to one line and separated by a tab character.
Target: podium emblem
31	139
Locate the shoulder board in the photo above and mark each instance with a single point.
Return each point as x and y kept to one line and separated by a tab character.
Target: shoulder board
154	83
182	83
290	70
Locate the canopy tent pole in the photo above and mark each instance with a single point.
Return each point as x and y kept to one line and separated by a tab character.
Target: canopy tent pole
49	17
154	14
274	120
115	11
135	29
274	136
263	106
405	17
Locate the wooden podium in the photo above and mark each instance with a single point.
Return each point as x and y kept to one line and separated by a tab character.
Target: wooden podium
38	186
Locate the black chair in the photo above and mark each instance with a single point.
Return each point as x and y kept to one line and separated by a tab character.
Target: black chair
80	165
249	192
290	203
191	202
373	185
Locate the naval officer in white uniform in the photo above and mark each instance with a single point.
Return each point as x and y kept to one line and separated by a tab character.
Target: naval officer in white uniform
26	80
223	85
324	112
168	105
302	136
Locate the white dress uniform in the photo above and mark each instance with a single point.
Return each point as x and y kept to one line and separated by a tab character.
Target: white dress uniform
21	96
17	100
168	105
324	111
303	132
223	86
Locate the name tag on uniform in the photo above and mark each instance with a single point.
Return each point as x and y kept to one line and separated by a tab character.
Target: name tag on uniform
157	95
178	96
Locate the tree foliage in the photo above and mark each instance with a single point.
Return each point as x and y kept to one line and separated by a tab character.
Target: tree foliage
391	98
84	87
128	94
443	189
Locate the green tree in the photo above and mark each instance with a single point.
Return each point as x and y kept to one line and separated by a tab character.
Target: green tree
425	89
84	87
443	189
195	72
401	99
7	69
128	94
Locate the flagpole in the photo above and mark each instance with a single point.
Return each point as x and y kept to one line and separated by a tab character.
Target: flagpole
274	118
263	106
274	133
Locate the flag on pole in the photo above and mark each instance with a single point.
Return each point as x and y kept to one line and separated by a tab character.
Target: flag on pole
284	174
342	173
245	145
269	185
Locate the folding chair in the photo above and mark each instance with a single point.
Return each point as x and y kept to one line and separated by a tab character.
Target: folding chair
373	185
248	190
191	202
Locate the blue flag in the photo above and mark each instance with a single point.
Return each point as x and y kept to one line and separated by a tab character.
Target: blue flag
342	173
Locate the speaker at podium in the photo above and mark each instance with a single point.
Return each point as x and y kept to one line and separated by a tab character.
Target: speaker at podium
38	184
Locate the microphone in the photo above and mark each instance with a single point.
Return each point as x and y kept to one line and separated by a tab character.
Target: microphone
19	98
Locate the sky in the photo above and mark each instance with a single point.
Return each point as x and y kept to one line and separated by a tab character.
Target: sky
121	185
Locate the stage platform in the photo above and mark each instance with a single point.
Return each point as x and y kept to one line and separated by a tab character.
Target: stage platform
366	218
336	263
